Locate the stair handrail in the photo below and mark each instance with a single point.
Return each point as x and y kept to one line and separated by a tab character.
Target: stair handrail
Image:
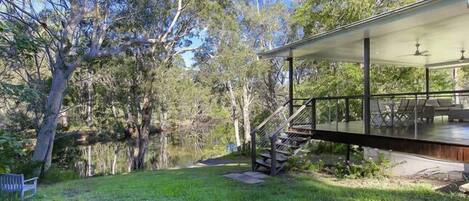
253	132
279	109
293	116
274	135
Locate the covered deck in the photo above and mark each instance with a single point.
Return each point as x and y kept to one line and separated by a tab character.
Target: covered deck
430	34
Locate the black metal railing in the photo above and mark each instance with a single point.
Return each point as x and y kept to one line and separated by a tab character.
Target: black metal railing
266	134
330	110
260	138
314	113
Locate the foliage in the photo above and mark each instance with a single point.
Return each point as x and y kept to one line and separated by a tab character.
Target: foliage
302	163
66	152
11	152
324	147
365	168
322	15
56	175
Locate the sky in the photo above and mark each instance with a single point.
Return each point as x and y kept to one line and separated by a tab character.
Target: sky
189	56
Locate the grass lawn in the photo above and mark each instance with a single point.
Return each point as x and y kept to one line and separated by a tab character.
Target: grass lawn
207	183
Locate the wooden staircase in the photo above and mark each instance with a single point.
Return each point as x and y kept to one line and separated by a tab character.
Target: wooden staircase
281	135
287	145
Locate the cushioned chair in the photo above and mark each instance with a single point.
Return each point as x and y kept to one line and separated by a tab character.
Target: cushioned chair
442	106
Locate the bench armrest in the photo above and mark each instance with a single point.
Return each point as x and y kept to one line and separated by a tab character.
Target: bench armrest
30	180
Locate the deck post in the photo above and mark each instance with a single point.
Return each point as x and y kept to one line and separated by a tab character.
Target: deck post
290	85
366	84
313	114
347	110
253	151
347	157
427	83
273	155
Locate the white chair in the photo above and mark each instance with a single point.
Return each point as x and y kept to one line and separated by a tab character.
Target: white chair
379	115
16	183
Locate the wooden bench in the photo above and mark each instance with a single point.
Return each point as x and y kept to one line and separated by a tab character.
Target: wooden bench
16	183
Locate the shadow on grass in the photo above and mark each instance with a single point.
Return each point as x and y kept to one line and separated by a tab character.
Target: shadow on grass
232	158
207	183
301	187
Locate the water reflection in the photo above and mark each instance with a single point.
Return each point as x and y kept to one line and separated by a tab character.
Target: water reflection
107	158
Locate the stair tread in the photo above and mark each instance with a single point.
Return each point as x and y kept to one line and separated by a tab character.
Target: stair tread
286	153
279	157
288	145
298	133
298	139
267	163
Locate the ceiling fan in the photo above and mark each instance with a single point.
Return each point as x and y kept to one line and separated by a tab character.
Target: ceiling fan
418	52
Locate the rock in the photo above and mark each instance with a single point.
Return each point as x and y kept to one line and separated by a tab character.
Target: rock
243	178
464	188
256	175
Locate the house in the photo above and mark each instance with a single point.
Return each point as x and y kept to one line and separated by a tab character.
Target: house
425	128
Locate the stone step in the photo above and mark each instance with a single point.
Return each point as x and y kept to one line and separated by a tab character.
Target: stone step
279	157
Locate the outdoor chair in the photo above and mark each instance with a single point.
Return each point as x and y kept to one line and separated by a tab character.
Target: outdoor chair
402	115
420	105
379	115
407	116
15	183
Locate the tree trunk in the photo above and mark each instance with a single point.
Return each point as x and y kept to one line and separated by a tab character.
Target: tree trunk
246	115
163	159
114	161
46	135
89	173
234	113
142	141
89	102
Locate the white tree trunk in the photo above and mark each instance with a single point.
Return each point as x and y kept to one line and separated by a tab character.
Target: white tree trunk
246	114
89	103
234	113
114	161
89	174
46	135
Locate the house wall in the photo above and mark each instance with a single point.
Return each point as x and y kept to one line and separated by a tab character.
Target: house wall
405	164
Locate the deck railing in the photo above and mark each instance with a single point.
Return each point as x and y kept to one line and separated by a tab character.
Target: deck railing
319	111
330	110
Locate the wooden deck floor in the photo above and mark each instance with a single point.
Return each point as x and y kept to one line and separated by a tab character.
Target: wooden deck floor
441	139
441	130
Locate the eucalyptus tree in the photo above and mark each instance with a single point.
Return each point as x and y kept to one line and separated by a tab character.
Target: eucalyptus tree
317	16
76	32
247	27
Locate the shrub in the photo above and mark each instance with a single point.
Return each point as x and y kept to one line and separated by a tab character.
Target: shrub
11	152
365	168
303	163
55	175
320	147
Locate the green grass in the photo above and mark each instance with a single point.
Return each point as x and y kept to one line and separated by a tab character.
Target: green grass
207	183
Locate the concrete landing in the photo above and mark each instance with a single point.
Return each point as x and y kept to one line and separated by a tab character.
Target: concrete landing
247	177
